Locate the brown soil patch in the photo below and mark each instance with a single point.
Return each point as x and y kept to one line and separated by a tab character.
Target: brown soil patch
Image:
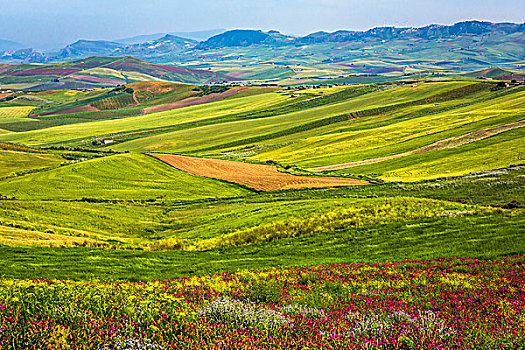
153	87
5	94
93	79
18	148
446	143
239	73
47	92
299	81
260	177
86	108
193	101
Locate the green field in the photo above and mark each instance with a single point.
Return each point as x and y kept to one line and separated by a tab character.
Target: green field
14	112
131	212
134	177
13	162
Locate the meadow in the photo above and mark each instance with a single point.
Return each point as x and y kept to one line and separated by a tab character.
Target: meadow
438	304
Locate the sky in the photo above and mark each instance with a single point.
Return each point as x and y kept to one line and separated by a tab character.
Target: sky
49	23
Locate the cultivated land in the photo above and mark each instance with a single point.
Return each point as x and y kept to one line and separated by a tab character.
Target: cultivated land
260	177
154	180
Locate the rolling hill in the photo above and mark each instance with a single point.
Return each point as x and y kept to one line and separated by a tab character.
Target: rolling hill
378	54
95	72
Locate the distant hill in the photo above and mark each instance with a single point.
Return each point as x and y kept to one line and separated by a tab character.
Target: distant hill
95	72
499	74
196	36
231	38
199	35
430	32
270	56
25	56
243	38
166	44
85	48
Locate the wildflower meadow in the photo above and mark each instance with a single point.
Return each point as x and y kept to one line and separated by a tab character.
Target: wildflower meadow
432	304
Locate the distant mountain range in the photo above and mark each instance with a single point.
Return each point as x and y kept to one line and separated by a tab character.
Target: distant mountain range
158	46
197	36
271	56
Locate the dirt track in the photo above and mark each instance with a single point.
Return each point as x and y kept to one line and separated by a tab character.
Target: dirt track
446	143
260	177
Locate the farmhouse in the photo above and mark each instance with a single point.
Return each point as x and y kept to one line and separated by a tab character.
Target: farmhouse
107	141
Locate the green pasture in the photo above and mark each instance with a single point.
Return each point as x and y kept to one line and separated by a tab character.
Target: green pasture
210	136
497	151
12	162
154	221
477	237
127	176
65	133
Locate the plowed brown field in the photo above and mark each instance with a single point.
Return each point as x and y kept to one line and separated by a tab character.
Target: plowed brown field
260	177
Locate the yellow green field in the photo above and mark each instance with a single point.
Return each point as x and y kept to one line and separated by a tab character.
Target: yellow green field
15	112
12	162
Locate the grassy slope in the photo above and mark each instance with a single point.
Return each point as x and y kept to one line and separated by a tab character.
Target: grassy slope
156	202
17	162
495	152
481	237
136	223
203	225
162	119
397	132
194	139
116	177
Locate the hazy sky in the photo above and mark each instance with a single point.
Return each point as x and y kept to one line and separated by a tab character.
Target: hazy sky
42	23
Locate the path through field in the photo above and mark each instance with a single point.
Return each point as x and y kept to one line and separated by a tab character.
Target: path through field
442	144
260	177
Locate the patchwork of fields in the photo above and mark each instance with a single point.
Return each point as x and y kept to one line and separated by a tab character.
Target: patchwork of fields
153	181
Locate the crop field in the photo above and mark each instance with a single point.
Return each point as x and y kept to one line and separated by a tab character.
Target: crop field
64	133
115	177
12	162
114	102
14	112
155	215
260	177
193	101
